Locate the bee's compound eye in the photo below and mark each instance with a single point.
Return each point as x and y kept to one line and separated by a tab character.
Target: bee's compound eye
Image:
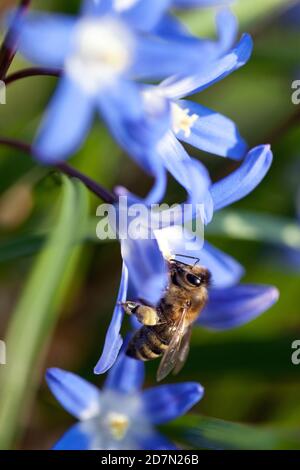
193	280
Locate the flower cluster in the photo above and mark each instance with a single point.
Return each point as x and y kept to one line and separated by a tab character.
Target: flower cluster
134	64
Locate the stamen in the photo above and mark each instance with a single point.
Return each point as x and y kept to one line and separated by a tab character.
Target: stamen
118	425
182	120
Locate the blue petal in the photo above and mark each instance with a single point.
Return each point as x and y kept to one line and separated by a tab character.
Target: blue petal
167	402
157	58
113	340
158	190
76	395
191	174
152	440
180	86
225	270
77	437
242	181
286	257
126	376
46	39
145	14
199	196
96	7
136	128
229	308
146	266
209	50
199	3
227	26
142	15
170	26
125	96
67	121
213	132
156	193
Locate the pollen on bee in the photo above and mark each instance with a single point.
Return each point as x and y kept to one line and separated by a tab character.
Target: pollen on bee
151	317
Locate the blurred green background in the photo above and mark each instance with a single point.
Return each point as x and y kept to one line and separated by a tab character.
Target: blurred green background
247	373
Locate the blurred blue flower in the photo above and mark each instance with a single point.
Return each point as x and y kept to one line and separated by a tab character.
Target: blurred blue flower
291	17
120	416
146	14
154	16
103	56
145	271
199	3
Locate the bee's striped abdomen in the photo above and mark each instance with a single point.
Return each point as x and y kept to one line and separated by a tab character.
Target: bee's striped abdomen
148	343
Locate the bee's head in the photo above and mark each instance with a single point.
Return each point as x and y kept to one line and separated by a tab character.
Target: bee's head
189	277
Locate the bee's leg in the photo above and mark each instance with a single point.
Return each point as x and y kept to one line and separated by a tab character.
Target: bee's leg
145	314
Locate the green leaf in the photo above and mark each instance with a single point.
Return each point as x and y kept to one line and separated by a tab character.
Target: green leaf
202	432
37	311
29	244
246	225
248	12
20	246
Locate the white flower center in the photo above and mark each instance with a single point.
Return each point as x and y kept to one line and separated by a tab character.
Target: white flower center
182	120
103	51
120	419
117	424
121	5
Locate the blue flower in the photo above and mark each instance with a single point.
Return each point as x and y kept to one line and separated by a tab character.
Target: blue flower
102	55
196	125
121	416
145	271
190	122
154	16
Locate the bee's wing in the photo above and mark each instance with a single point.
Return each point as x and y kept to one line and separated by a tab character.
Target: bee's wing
183	351
169	358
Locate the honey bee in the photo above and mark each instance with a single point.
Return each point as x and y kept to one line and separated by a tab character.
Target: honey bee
167	329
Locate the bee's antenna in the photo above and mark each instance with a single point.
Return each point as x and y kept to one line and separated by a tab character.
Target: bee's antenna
189	257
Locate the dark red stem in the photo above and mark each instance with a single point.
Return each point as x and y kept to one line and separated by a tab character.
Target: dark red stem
9	47
31	72
66	169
